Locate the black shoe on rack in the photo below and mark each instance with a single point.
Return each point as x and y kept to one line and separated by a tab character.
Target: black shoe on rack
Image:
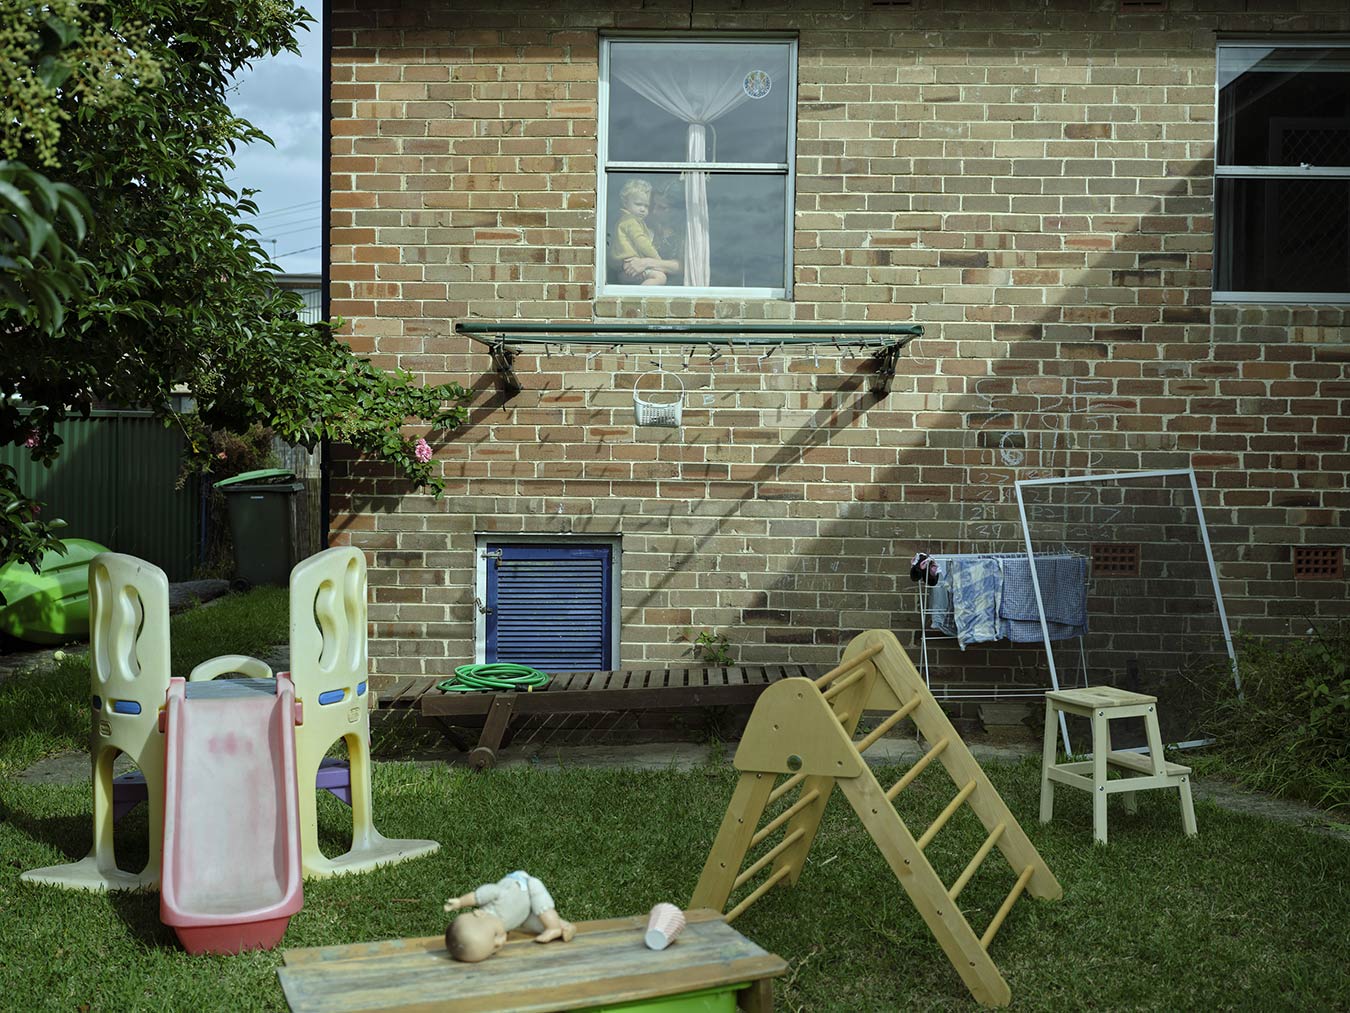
916	566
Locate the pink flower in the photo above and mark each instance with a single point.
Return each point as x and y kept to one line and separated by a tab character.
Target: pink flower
422	450
33	439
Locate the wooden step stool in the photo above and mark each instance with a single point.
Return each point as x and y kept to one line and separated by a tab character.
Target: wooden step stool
1101	705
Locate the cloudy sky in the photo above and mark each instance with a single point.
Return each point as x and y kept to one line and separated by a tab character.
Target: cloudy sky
283	96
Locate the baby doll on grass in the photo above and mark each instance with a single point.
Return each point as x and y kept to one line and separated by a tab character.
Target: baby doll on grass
517	900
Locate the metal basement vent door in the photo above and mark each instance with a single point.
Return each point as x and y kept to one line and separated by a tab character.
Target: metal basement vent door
549	606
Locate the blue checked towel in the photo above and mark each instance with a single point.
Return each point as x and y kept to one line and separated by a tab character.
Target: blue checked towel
1063	580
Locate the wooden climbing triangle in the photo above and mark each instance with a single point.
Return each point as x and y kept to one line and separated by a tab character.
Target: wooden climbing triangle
804	729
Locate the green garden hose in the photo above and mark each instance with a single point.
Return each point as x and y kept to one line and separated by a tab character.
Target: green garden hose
499	675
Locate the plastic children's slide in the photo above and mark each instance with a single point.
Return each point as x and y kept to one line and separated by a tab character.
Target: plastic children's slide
231	872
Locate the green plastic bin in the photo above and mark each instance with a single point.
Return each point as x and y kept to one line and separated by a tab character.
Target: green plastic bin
261	505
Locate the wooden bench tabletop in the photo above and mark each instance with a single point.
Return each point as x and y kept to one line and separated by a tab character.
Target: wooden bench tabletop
606	963
627	689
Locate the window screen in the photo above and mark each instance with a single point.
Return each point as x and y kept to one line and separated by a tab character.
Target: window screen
550	606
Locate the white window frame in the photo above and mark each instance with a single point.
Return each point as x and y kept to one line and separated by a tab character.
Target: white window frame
1269	172
604	166
480	544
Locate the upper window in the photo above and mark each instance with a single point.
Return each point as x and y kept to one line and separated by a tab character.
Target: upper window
696	180
1282	187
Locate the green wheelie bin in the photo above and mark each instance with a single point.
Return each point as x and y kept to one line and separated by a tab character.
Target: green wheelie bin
261	506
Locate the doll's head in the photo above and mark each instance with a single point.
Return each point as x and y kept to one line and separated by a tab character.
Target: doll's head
474	936
636	197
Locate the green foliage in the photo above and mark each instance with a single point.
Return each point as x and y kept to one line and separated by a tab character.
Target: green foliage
168	291
709	647
1288	732
40	272
24	535
60	56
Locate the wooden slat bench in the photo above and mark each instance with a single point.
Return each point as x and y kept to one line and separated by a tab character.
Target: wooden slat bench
606	965
580	692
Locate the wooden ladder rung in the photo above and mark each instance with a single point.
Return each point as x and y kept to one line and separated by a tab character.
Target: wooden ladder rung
887	725
1002	912
980	856
919	766
843	685
784	816
945	815
850	664
785	787
758	892
769	856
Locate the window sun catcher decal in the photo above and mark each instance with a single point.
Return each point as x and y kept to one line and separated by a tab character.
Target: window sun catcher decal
757	83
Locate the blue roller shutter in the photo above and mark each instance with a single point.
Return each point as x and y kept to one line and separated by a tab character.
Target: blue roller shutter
549	606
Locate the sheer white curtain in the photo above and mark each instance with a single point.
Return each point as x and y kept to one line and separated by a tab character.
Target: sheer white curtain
698	88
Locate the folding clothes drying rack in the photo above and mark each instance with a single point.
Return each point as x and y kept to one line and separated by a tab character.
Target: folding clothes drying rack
926	632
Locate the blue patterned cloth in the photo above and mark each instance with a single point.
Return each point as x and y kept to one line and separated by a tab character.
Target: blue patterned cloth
1063	580
940	604
976	586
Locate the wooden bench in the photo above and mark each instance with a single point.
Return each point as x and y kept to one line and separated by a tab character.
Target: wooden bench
605	966
581	692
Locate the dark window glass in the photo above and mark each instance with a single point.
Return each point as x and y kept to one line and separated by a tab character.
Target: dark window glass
1284	106
746	213
1282	235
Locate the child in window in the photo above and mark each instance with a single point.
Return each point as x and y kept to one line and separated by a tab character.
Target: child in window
632	249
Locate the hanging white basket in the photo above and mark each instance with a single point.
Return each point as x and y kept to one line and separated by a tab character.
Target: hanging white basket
659	413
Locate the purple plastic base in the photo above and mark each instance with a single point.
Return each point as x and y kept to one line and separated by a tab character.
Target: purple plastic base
129	789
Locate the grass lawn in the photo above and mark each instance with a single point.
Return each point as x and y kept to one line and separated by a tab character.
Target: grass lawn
1249	915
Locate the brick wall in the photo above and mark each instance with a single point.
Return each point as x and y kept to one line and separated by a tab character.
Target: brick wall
1033	186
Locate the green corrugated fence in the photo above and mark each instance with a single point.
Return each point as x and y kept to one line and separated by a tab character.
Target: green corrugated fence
114	483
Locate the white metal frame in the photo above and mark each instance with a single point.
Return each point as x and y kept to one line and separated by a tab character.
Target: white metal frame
603	166
1122	476
1272	172
480	540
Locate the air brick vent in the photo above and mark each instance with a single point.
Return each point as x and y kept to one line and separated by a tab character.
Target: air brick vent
1318	562
1113	559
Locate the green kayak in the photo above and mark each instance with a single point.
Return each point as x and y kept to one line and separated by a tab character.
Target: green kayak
51	606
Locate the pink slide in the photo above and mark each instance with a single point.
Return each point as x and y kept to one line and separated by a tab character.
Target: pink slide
231	874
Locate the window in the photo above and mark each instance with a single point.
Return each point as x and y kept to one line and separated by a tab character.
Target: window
548	602
1282	186
696	175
